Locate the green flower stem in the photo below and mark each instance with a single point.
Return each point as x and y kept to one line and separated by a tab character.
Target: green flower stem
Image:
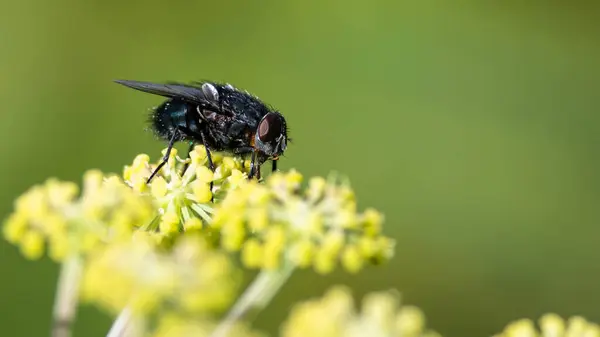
67	292
126	324
120	324
257	296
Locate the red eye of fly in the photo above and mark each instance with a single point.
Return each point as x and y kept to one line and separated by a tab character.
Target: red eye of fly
269	128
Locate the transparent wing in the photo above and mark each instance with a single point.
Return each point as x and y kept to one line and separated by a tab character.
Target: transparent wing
192	94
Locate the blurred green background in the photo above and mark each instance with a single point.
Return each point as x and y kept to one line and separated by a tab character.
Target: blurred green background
473	126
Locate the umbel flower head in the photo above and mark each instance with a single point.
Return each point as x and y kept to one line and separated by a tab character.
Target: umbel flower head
317	226
335	315
55	215
187	278
177	326
552	325
182	188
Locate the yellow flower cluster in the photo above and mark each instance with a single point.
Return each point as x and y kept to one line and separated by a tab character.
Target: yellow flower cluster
198	217
552	325
182	188
188	278
316	226
53	215
334	315
176	326
112	225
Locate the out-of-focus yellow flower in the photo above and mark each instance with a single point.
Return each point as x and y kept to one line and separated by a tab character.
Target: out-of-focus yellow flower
178	326
552	325
334	315
53	216
181	188
315	226
189	277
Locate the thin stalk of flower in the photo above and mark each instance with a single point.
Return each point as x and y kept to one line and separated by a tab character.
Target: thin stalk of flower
126	324
66	300
120	324
256	297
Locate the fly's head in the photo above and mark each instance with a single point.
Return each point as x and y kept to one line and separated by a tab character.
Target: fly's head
271	136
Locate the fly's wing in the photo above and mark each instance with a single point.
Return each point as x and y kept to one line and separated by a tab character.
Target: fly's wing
204	94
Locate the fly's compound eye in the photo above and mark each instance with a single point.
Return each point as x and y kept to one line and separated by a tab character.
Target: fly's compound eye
270	128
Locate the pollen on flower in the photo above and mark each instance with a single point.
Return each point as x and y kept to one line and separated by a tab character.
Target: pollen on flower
190	278
182	188
136	170
252	253
372	221
169	222
258	219
551	325
316	187
236	179
302	254
334	315
333	242
204	174
324	262
316	226
202	192
53	217
159	187
193	224
15	227
233	235
351	259
32	245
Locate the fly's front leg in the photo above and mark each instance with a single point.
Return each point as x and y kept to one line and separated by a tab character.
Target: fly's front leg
252	165
165	158
208	156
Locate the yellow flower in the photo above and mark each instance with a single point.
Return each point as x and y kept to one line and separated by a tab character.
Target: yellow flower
182	188
187	278
178	326
334	315
552	325
315	226
162	249
53	216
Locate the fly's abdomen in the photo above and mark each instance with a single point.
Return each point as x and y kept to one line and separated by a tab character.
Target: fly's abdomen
174	116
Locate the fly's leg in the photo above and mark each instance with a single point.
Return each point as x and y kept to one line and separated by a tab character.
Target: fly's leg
252	165
208	156
165	158
274	167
